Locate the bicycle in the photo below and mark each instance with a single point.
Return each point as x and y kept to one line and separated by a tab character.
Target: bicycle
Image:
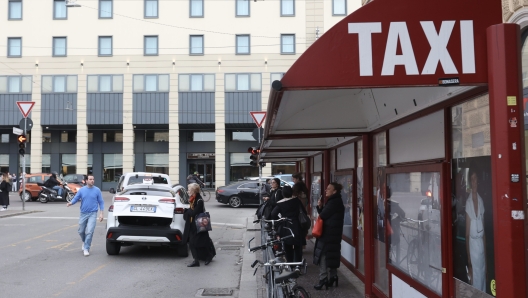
420	260
205	193
278	270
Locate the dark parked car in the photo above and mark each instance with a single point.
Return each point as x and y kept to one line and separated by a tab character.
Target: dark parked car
239	193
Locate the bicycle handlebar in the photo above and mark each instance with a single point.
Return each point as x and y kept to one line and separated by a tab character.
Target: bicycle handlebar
273	221
415	220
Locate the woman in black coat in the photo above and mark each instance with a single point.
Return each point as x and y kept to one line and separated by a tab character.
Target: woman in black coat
201	245
276	192
327	251
5	187
289	207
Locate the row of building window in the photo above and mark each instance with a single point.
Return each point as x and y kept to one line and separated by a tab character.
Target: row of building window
150	45
251	82
148	136
151	9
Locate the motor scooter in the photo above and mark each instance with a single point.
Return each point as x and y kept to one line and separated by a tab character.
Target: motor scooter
49	194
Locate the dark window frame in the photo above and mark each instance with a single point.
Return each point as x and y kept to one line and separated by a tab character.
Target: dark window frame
53	51
9	18
99	11
237	52
99	46
145	45
55	10
9	47
294	44
145	9
191	45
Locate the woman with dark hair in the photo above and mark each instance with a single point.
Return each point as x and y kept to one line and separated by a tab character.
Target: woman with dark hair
289	207
5	187
475	235
327	251
300	191
276	192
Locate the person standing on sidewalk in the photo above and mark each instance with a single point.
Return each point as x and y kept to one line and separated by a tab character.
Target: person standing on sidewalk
14	181
5	187
91	198
327	250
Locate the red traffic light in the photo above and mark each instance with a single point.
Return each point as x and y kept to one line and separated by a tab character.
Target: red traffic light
253	150
22	138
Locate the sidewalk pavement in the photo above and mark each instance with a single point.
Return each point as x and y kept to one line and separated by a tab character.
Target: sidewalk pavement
15	211
254	286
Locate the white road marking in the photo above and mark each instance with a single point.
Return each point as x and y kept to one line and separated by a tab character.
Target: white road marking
46	217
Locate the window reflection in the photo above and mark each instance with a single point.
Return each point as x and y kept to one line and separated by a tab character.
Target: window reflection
414	226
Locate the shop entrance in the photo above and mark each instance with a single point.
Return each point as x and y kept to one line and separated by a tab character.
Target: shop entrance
205	169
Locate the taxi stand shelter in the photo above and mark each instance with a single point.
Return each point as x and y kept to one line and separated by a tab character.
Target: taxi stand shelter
399	71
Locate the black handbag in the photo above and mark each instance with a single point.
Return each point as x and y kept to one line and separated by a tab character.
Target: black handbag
304	220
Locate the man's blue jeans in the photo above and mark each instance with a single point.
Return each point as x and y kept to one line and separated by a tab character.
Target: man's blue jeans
87	223
58	189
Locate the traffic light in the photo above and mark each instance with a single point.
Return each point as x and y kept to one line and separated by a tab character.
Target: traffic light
22	144
254	156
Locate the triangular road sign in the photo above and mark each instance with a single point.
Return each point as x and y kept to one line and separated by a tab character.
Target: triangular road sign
25	107
258	117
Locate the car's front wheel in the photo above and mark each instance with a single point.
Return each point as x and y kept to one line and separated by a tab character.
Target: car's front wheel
235	202
112	248
182	250
25	196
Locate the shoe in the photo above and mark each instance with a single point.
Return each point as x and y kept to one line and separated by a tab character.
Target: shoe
3	209
195	263
207	262
331	281
323	282
86	253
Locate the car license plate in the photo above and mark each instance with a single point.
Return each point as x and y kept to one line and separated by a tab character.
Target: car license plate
142	209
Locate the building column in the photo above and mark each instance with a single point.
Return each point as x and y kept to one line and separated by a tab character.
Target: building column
174	131
507	158
82	129
266	85
128	128
36	131
368	221
221	168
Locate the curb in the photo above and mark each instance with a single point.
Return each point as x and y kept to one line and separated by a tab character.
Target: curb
248	282
17	213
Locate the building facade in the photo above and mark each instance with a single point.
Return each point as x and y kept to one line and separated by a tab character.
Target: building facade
153	85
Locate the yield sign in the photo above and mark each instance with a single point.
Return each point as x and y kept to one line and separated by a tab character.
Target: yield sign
258	117
25	107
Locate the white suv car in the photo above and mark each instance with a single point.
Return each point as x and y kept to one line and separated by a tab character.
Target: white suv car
150	215
140	178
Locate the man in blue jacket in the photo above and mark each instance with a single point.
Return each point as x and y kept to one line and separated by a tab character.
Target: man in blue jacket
91	201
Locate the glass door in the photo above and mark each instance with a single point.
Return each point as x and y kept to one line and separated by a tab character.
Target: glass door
205	171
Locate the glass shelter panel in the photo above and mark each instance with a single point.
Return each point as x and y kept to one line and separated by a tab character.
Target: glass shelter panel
413	226
472	202
381	274
359	218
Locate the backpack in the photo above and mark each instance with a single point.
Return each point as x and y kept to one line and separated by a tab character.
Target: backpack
263	211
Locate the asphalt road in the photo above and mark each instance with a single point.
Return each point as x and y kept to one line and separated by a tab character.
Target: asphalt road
40	256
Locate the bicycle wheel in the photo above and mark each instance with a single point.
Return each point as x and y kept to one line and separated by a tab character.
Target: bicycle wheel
206	195
413	258
300	292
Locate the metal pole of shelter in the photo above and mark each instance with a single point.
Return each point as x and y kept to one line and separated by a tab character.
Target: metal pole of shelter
260	169
24	171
